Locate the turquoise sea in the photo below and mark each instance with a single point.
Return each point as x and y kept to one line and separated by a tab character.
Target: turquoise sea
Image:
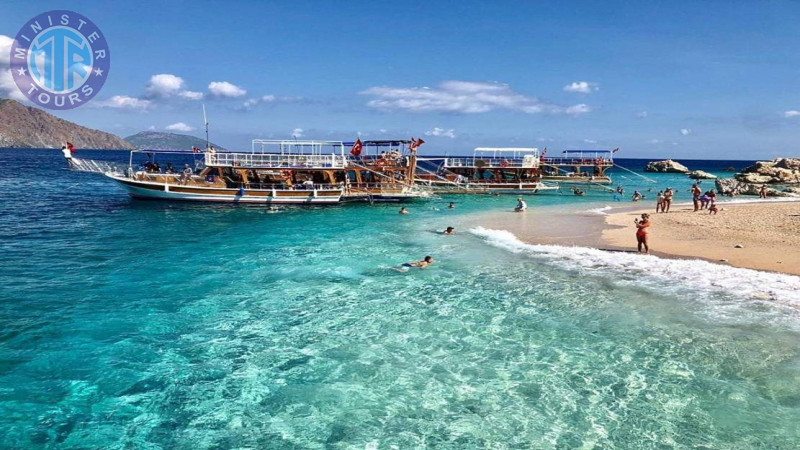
146	325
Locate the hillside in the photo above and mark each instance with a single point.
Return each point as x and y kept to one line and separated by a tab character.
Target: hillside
158	140
26	127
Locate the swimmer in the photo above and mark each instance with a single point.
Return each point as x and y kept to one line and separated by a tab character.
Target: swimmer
403	210
421	264
452	205
449	230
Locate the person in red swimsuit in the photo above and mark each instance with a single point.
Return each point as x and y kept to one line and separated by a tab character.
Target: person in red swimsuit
641	232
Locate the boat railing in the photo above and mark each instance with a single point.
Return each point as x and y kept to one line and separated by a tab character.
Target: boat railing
524	162
274	160
569	161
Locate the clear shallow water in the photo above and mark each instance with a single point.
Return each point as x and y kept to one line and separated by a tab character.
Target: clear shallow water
127	324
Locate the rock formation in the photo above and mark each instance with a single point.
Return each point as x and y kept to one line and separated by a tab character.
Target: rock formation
26	127
666	166
700	175
777	171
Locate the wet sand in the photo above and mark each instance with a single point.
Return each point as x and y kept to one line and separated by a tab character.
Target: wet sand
769	232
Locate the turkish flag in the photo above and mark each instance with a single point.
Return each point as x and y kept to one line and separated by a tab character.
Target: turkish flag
357	147
71	147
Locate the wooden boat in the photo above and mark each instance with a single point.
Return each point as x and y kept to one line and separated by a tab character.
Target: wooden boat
274	172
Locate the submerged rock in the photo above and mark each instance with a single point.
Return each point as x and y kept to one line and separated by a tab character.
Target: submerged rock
777	171
700	175
666	166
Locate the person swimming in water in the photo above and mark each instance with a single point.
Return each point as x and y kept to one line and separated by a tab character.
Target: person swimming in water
641	232
452	205
403	210
427	261
449	230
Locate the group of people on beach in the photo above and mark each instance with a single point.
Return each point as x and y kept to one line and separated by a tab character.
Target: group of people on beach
664	200
701	201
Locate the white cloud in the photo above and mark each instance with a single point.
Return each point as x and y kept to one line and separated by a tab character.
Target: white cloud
7	86
252	102
578	109
122	102
297	133
656	141
191	95
641	114
164	85
791	113
541	139
582	87
466	97
686	131
180	126
225	89
436	131
590	141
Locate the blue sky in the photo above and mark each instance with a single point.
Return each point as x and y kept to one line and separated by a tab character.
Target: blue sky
657	79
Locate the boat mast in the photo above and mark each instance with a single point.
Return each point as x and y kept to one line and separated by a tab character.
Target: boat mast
205	122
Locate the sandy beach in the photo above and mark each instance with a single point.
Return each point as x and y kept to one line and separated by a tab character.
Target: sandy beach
768	232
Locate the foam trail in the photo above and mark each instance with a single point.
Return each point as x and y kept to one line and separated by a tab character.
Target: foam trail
695	274
600	211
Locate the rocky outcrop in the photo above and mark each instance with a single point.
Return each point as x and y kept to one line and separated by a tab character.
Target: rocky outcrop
666	166
700	175
777	171
26	127
733	187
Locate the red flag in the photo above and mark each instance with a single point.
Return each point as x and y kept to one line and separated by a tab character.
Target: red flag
71	147
415	143
357	147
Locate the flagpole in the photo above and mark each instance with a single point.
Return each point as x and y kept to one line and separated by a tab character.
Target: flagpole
205	122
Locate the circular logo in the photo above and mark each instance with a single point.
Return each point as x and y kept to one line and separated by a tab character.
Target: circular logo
60	59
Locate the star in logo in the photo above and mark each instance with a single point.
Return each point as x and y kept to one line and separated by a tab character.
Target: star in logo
21	71
98	72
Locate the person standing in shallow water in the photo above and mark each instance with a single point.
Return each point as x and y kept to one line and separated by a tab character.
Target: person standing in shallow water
641	233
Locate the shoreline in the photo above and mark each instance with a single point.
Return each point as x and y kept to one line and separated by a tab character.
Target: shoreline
767	231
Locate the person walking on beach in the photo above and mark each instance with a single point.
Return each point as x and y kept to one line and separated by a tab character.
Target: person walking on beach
659	202
696	196
641	233
762	191
667	200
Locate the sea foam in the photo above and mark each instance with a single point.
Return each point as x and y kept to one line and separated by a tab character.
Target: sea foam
695	274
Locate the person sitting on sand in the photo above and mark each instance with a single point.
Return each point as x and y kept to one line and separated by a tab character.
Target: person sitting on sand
641	232
667	200
521	205
403	210
421	264
712	207
449	230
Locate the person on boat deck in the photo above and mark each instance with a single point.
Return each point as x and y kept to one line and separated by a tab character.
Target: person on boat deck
169	168
521	205
421	264
449	230
187	173
403	210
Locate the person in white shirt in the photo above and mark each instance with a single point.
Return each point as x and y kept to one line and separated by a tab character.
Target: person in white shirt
521	205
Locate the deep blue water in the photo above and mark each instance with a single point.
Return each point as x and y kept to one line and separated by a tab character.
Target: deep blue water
135	324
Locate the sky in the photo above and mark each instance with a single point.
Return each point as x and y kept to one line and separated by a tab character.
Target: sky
679	79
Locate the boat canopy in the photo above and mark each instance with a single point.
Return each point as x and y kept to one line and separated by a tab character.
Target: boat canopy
506	152
295	147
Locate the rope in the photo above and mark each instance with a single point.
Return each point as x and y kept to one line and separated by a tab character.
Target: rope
638	175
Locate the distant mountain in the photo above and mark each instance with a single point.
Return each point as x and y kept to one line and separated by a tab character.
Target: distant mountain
26	127
158	140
